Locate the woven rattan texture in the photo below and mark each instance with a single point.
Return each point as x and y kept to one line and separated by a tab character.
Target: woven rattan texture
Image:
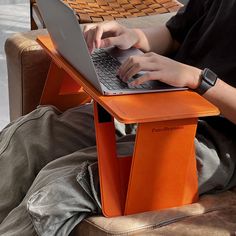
99	10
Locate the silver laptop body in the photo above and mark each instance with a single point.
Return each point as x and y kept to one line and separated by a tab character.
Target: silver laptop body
68	39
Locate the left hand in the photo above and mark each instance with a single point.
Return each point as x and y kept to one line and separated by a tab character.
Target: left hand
160	68
107	34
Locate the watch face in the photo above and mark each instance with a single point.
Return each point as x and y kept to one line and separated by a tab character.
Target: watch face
208	79
209	76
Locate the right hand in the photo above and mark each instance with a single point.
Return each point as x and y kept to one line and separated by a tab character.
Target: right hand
159	68
108	34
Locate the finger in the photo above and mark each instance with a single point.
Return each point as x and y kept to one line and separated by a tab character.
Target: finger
98	36
135	64
87	27
90	40
93	34
133	70
137	67
126	65
101	30
110	34
110	26
88	30
86	37
93	38
151	75
141	60
105	28
117	41
130	67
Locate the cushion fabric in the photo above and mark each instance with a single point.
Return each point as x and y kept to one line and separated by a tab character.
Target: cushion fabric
212	215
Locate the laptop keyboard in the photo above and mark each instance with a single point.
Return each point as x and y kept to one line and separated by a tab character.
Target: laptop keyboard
106	68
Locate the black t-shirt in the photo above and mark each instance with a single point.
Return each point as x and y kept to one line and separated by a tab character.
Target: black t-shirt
206	30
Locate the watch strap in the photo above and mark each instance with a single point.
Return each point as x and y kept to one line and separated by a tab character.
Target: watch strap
207	80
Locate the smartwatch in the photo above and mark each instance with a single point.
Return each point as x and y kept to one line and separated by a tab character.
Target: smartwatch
207	80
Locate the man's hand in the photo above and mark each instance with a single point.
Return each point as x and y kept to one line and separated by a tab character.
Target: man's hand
160	68
108	34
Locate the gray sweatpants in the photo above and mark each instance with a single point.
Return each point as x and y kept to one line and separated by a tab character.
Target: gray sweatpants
48	171
62	146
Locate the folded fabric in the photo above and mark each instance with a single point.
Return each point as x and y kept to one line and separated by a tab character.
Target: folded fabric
55	202
71	195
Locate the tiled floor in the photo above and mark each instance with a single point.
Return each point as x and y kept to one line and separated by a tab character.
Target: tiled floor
14	17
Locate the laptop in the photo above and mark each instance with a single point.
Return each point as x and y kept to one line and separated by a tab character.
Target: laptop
100	68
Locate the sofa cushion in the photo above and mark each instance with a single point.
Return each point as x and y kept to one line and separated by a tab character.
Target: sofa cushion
212	215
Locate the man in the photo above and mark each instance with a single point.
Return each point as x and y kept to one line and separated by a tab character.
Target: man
199	35
196	39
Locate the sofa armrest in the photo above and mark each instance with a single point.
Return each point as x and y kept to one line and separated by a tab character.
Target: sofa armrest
27	66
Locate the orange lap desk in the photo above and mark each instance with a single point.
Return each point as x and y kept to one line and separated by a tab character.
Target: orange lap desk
162	171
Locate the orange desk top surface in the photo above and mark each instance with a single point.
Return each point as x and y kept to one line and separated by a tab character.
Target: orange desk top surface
139	107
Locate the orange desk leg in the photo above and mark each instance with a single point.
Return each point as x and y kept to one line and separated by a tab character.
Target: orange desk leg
61	90
113	171
163	172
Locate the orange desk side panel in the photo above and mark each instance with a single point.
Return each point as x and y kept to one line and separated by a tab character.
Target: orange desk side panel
62	91
162	172
108	169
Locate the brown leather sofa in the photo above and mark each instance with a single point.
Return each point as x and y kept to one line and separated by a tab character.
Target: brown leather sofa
212	215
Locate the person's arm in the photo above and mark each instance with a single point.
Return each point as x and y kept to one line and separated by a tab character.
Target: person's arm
223	96
111	33
178	74
158	40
